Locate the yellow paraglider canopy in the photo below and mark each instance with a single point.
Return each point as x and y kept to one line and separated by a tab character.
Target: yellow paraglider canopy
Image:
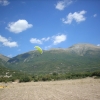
39	49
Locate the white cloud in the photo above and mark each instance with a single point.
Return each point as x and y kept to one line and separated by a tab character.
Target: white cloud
10	44
18	26
6	42
95	15
62	4
35	40
77	16
58	39
39	41
4	2
45	39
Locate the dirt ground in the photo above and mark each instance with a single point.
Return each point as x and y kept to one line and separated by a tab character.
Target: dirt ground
80	89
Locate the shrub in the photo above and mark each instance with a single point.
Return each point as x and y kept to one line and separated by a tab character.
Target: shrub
25	79
36	80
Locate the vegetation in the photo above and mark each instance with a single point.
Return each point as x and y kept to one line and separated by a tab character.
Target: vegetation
25	79
49	77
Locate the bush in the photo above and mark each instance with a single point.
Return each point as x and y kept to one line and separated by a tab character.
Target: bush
97	73
36	80
46	78
24	79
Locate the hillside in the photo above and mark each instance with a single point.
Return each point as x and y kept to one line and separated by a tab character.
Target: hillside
77	58
7	72
4	57
3	61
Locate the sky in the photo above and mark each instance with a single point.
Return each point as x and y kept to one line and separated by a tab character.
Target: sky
48	24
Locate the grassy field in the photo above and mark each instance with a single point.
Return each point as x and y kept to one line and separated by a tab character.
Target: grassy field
79	89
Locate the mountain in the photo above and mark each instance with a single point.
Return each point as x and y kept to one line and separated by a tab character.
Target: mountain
77	58
3	60
82	49
4	57
5	71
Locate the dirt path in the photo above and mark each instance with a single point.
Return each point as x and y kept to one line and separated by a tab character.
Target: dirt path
81	89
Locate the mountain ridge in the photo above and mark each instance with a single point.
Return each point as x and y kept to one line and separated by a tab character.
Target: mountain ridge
78	57
81	48
75	46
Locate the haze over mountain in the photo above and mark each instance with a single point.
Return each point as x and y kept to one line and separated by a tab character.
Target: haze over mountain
77	58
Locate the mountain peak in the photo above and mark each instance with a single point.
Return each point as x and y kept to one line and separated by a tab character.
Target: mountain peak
82	48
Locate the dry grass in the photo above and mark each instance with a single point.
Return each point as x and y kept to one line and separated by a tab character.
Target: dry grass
80	89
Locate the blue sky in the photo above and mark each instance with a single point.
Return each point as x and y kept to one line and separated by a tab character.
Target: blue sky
48	24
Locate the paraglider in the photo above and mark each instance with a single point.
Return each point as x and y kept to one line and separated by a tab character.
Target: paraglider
38	49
